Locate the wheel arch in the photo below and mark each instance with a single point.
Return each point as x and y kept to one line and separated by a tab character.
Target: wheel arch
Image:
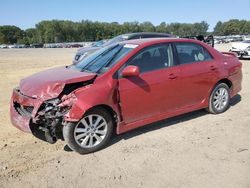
109	109
226	81
223	80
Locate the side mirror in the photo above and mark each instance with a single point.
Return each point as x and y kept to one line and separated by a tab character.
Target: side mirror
130	71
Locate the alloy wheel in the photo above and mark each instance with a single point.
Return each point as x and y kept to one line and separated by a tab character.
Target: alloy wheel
220	99
90	131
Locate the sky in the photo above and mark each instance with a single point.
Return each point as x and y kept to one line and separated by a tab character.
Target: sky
26	13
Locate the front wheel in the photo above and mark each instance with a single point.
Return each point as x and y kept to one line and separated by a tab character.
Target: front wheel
91	133
219	99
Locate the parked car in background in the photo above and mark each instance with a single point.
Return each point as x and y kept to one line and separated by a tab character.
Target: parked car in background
76	46
206	39
216	41
84	52
124	86
11	46
36	45
19	45
3	46
246	37
242	49
99	43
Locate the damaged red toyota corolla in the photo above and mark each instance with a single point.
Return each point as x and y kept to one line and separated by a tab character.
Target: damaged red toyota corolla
122	87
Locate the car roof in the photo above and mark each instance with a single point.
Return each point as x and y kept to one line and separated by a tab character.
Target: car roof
147	33
150	41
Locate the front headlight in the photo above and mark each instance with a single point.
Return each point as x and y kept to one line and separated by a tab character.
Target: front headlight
53	102
49	105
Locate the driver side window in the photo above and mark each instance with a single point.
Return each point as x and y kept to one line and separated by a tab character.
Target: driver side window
153	58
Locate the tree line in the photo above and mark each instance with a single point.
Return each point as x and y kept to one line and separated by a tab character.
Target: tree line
56	31
232	27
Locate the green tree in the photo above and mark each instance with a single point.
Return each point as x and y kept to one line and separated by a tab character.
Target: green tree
218	29
232	27
86	30
147	27
10	34
162	28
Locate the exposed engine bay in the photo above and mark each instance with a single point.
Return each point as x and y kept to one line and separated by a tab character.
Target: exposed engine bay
49	120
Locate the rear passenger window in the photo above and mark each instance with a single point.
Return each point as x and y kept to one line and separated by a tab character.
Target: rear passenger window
191	52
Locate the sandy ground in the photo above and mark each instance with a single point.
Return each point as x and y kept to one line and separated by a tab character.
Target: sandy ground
193	150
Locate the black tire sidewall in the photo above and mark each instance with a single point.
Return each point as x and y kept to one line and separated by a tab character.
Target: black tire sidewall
68	132
212	109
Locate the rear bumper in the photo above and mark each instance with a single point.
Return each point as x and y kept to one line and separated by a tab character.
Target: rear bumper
235	90
19	116
236	80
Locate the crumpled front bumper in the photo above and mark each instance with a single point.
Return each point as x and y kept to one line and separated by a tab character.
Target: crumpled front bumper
19	116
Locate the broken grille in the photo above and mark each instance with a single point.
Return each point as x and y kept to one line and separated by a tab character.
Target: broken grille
23	110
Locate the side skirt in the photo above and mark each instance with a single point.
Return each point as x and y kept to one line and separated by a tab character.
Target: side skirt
122	127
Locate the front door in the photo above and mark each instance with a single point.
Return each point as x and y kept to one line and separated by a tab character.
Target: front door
155	90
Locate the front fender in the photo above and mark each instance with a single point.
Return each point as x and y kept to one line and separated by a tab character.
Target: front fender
91	96
77	111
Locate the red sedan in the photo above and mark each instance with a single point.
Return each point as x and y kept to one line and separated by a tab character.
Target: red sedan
122	87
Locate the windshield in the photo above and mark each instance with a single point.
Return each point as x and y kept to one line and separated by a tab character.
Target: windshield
103	59
98	43
116	39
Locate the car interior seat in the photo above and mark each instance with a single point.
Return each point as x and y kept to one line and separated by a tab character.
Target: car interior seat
195	54
144	63
186	58
164	59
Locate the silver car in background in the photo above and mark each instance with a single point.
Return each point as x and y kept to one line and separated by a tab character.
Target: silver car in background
84	52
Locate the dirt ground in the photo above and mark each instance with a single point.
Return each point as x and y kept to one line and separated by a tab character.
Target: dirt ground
193	150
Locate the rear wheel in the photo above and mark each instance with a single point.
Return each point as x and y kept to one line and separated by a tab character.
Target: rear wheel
219	99
91	133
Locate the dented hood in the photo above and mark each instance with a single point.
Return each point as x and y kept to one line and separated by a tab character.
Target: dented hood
50	83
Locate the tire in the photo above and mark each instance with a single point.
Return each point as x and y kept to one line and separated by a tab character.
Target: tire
78	135
219	99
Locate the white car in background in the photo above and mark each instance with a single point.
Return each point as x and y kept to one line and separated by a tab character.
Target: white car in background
2	46
241	48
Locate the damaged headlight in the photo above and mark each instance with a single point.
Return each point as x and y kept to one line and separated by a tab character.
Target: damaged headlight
49	107
51	104
55	108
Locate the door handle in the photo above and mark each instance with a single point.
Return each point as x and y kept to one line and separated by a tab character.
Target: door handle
172	76
212	67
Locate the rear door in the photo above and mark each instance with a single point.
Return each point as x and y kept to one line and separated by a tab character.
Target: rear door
155	90
198	72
